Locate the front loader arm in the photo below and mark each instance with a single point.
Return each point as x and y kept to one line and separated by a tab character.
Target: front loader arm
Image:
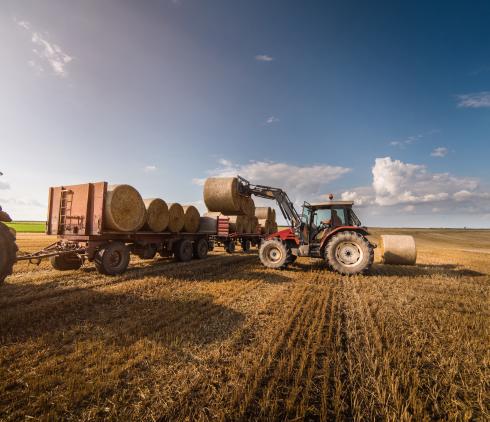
285	204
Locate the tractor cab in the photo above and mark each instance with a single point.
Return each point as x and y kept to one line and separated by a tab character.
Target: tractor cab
320	219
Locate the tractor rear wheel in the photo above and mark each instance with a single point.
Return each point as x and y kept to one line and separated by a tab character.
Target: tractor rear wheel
8	252
349	253
274	254
66	262
112	258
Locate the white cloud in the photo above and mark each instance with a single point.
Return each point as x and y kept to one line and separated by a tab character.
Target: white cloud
270	120
47	52
439	152
407	141
475	100
264	58
413	188
150	169
300	182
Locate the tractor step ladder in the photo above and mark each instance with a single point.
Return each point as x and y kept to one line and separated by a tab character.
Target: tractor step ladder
66	202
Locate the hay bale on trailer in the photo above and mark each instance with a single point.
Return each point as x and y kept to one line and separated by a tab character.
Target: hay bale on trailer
264	213
176	217
157	216
208	224
264	226
247	205
237	223
221	195
398	250
124	209
191	219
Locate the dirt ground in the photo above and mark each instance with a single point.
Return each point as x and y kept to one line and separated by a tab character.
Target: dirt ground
227	339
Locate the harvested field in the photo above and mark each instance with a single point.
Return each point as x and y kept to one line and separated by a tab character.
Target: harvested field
227	339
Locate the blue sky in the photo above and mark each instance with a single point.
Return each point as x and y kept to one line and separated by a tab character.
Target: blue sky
386	103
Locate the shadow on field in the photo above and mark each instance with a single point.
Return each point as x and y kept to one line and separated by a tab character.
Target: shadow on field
118	318
423	270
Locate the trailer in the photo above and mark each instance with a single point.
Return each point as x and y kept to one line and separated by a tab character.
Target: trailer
76	217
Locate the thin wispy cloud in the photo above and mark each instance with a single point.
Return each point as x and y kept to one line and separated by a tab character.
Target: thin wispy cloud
150	169
402	143
264	58
475	100
439	152
46	52
271	120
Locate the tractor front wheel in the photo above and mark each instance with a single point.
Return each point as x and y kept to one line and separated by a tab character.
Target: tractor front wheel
274	254
349	253
8	252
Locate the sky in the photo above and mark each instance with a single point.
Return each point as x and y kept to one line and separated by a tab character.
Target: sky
384	103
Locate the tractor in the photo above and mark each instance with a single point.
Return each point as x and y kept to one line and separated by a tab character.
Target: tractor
328	230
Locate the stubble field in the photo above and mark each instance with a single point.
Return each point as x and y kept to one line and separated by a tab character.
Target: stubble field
227	339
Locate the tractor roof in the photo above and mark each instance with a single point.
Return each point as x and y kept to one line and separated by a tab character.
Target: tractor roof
330	204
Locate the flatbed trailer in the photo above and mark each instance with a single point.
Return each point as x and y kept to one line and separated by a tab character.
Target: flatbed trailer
76	217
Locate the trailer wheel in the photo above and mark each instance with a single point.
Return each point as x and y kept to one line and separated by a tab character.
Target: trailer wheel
66	262
273	254
349	253
8	252
183	250
230	247
112	258
201	248
246	246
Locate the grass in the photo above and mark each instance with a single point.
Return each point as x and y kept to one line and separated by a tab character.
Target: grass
227	339
28	226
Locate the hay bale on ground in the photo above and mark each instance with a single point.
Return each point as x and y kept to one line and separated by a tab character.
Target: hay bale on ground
191	219
176	217
398	250
221	194
124	209
156	214
264	213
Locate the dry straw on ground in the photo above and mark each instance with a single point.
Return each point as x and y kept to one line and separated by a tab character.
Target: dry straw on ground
227	339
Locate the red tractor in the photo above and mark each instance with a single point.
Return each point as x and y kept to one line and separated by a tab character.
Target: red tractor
328	230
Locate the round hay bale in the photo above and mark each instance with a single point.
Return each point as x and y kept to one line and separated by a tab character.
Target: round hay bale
237	223
264	225
176	217
255	224
398	250
248	205
124	209
221	194
208	224
156	214
264	213
191	219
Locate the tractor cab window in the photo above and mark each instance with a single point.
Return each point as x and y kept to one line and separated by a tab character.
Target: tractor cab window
333	217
